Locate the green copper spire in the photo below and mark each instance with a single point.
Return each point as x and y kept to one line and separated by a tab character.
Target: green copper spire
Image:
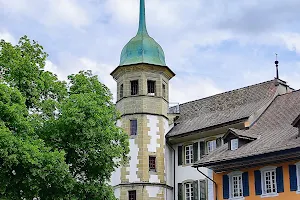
142	48
142	22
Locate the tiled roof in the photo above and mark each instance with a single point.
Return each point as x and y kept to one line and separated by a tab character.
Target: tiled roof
223	108
274	129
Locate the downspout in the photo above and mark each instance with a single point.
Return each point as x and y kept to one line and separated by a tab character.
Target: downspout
216	186
174	165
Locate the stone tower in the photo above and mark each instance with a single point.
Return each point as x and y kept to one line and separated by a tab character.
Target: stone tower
143	100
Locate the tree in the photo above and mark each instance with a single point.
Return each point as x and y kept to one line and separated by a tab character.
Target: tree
69	129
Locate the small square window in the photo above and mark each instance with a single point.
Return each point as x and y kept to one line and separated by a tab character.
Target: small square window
134	87
188	153
132	195
151	87
133	127
234	144
152	163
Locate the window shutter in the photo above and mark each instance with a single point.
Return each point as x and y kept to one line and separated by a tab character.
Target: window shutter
279	179
195	152
293	177
257	178
225	187
245	179
203	189
180	194
202	149
219	142
196	190
179	155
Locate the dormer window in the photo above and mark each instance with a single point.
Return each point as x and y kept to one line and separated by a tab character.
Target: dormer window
234	144
151	88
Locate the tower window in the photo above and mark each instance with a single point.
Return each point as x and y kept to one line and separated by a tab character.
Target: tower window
151	87
121	90
133	127
164	90
132	195
134	87
152	163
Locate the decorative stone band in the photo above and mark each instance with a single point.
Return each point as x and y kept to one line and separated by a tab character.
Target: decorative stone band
144	113
144	184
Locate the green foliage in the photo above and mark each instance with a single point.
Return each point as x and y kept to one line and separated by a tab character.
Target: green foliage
57	141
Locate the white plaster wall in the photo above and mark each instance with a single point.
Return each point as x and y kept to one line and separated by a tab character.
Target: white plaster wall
116	177
132	177
153	125
117	193
169	194
210	185
154	178
169	169
152	190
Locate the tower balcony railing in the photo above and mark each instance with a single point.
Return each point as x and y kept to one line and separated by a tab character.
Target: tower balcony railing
174	108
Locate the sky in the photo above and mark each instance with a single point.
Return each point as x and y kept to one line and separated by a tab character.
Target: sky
212	45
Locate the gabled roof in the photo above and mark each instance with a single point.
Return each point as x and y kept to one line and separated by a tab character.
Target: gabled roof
274	129
223	108
243	134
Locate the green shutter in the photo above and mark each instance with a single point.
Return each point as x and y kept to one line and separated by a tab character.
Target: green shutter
202	149
179	155
195	151
203	189
180	194
196	193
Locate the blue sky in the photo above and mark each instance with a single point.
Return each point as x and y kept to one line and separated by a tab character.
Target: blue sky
212	45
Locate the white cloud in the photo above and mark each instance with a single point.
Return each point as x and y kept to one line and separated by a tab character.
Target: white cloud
291	41
48	12
188	88
7	37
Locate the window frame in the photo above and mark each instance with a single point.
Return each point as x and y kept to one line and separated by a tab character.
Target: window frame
136	127
231	185
190	155
134	91
152	169
236	142
263	181
151	93
191	191
134	193
121	90
214	142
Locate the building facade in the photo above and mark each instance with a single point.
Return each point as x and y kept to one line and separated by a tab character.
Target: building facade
166	141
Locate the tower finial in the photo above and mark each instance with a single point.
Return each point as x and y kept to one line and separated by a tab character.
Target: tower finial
142	22
276	63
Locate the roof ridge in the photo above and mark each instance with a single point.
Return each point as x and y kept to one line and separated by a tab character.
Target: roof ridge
228	91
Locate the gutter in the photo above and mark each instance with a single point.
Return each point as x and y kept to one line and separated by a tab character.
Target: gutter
174	165
216	186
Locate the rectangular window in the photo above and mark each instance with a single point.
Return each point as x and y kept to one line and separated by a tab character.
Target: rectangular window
152	163
133	127
234	143
189	191
164	90
269	182
134	87
151	87
121	91
132	195
211	145
188	154
203	190
236	186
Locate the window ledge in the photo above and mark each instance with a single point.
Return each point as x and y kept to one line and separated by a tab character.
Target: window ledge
269	195
237	198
